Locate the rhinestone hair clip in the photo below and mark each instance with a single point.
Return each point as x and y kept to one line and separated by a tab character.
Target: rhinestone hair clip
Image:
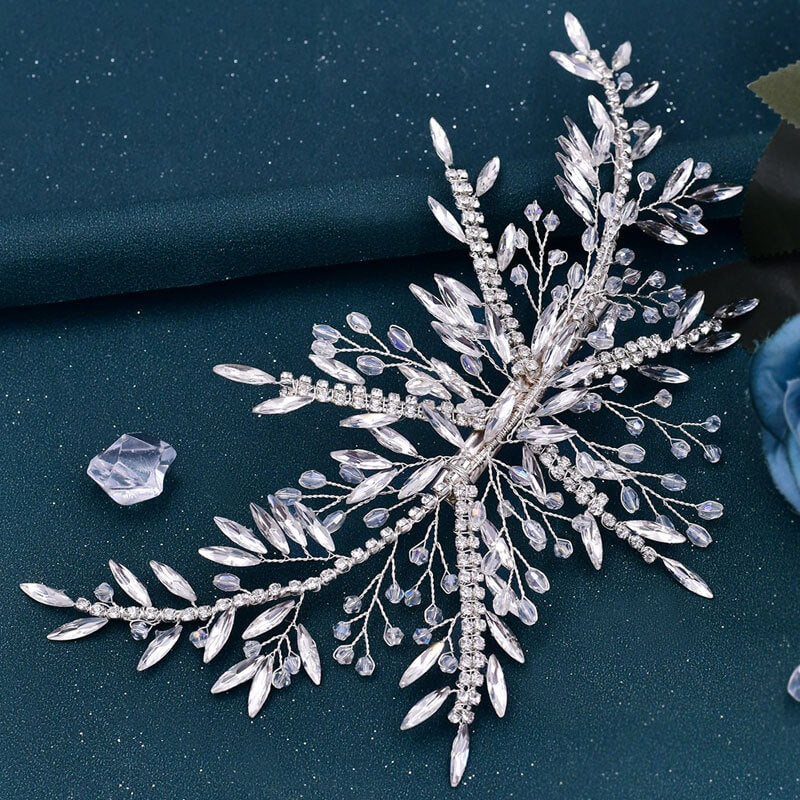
514	471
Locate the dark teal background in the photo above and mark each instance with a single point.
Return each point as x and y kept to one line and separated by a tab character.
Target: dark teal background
633	688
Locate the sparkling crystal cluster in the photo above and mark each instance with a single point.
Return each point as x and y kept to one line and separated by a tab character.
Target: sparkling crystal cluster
454	533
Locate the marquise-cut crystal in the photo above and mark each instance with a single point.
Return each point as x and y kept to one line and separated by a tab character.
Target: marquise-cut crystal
132	469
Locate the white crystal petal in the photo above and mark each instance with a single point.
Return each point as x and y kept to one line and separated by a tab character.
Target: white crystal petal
243	374
46	596
282	405
487	176
161	644
370	487
77	629
130	584
173	581
496	686
240	535
236	675
425	708
421	664
687	578
219	633
441	144
504	637
309	654
229	556
260	686
419	479
459	755
269	619
447	220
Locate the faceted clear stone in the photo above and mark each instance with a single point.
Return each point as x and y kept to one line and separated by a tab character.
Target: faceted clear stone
226	582
680	448
341	630
712	453
533	211
326	333
527	612
710	509
631	453
551	221
433	615
352	604
794	684
365	666
624	256
343	654
712	424
418	555
323	348
370	365
448	663
537	580
629	498
519	275
139	630
634	426
392	635
350	474
376	518
554	501
413	597
702	170
400	338
293	664
393	593
281	678
657	279
663	398
198	638
104	592
132	470
650	315
618	384
449	583
673	482
334	521
535	533
698	535
251	648
646	180
562	548
311	479
358	322
422	636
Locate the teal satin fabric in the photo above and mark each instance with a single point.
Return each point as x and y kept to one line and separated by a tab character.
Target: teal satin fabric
154	145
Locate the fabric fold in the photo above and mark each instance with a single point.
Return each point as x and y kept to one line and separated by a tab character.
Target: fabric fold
141	247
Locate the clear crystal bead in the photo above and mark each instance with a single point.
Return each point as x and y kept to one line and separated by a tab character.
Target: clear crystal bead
663	398
281	678
433	614
226	582
326	333
562	548
631	453
793	686
343	654
132	470
673	482
448	663
139	630
251	648
533	211
702	170
358	322
413	597
680	448
341	630
199	638
618	384
311	479
293	664
519	275
634	426
104	592
712	453
629	498
535	533
393	593
352	604
646	180
392	635
365	666
537	580
551	221
712	424
422	636
698	535
418	555
710	509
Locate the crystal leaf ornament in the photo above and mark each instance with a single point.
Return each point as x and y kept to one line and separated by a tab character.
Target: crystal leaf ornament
505	469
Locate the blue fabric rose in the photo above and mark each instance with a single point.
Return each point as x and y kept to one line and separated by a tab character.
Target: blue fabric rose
775	389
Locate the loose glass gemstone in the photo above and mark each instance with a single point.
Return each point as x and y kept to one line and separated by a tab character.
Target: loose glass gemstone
393	593
702	170
281	678
412	597
629	498
139	630
323	348
198	638
400	338
533	211
370	365
352	604
226	582
471	365
341	630
104	592
365	666
646	180
433	614
519	275
326	333
350	474
132	470
562	548
392	635
449	583
526	611
359	322
710	509
418	555
251	648
376	517
334	521
537	580
698	535
631	453
448	663
624	256
551	221
535	533
712	424
673	482
680	448
634	426
343	654
293	664
618	384
311	479
712	453
663	398
422	636
793	686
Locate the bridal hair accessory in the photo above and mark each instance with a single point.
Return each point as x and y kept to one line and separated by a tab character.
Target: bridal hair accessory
514	474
